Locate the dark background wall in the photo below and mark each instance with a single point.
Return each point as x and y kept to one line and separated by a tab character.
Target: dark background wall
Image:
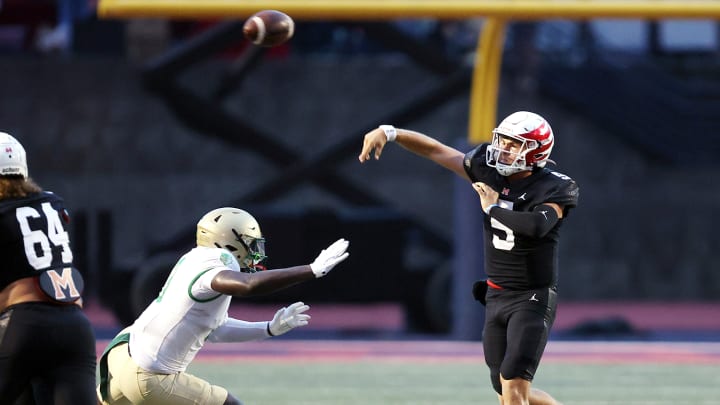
137	177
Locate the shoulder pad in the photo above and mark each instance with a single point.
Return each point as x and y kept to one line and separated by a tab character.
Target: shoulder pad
565	192
475	163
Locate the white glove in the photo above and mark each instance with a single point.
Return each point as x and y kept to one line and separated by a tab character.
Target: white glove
289	318
330	257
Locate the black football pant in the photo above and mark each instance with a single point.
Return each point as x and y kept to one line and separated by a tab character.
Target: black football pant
48	350
517	325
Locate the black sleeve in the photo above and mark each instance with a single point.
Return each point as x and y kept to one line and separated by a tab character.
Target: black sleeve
535	224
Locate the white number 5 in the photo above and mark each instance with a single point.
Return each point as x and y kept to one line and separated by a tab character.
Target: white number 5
506	243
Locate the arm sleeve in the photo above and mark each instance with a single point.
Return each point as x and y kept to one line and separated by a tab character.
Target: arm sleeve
236	330
535	224
202	288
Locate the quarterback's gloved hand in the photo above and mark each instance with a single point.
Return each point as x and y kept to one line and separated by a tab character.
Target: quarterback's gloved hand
289	318
330	257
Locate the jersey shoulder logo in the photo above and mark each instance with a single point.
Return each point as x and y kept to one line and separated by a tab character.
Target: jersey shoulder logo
226	259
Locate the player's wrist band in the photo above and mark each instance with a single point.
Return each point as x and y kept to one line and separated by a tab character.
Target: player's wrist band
487	211
390	132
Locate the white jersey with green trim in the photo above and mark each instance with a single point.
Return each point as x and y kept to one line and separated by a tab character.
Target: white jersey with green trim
168	334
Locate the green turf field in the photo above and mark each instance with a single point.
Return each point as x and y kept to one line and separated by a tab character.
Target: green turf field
453	383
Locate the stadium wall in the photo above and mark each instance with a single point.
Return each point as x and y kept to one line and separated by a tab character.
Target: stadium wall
643	230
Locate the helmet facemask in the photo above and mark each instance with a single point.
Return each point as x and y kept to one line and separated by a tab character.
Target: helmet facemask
507	153
255	253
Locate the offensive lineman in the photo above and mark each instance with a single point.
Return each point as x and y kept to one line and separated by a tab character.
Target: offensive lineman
47	345
146	362
524	205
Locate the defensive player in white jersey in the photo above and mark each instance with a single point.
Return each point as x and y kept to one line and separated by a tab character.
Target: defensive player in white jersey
146	362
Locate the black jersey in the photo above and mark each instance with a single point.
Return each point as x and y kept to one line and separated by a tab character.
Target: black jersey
518	262
32	237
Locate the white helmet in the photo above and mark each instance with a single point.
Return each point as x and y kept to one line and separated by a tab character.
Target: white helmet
13	161
536	142
234	230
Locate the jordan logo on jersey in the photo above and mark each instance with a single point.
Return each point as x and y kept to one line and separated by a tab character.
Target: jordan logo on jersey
534	298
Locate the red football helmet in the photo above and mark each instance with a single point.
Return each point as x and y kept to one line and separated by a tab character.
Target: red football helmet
522	141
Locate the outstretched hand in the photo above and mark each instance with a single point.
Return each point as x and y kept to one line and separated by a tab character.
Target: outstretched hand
375	139
488	196
287	319
330	257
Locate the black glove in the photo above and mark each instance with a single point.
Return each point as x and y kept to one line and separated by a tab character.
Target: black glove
479	289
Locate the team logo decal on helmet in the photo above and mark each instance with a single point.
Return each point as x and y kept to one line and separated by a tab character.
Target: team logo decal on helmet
236	231
13	161
522	141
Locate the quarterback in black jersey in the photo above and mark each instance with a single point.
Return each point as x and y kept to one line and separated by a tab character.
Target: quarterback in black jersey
524	204
47	344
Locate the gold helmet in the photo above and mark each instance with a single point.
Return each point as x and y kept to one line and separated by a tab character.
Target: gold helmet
234	230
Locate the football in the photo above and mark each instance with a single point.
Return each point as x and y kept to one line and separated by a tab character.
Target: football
269	28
